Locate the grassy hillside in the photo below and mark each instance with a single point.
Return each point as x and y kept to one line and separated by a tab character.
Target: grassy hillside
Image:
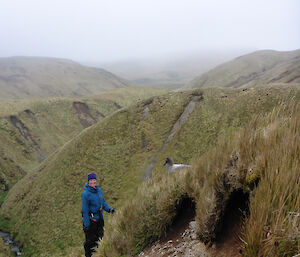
120	149
259	164
251	70
32	129
28	77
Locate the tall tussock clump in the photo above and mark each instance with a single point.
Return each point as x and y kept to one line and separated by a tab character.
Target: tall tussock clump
144	218
272	229
261	162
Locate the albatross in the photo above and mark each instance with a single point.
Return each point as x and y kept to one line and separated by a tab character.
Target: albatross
171	167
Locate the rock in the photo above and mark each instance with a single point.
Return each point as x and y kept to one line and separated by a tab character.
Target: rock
193	225
193	236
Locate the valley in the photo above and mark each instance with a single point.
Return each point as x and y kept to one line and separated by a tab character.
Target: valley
235	125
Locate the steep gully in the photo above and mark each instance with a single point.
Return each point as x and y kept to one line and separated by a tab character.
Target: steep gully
176	127
24	131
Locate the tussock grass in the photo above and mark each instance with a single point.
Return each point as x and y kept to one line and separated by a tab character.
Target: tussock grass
272	228
268	146
114	149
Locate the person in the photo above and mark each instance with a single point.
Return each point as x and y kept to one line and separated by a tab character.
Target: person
93	204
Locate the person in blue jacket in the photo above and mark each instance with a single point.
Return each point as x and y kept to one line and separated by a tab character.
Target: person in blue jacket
93	204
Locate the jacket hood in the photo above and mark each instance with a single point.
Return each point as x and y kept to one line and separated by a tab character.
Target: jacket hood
90	189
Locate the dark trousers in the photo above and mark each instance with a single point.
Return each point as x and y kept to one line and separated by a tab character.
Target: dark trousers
92	236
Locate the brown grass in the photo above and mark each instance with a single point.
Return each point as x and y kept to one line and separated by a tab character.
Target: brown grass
267	149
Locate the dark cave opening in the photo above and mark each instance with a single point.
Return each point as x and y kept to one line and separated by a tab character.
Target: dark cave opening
237	208
185	213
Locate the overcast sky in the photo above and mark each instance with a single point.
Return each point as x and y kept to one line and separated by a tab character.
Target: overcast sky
110	30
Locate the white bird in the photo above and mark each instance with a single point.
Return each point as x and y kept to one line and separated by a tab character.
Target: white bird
171	167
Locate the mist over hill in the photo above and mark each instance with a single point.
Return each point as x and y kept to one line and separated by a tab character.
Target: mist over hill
28	77
172	71
251	70
48	146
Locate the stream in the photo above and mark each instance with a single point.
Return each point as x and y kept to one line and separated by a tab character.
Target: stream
13	246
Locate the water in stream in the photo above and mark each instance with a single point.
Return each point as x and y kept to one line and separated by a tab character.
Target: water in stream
13	247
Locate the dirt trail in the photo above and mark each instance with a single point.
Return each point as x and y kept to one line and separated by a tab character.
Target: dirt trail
182	241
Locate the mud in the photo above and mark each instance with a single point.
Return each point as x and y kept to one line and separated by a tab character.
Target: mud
31	115
84	116
117	105
24	131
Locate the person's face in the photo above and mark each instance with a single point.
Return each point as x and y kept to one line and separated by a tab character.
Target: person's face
93	183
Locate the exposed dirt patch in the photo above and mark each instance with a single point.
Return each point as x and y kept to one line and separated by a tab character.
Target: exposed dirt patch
227	242
100	115
183	117
185	214
181	239
295	80
29	112
146	112
31	115
117	105
84	115
3	184
189	108
24	131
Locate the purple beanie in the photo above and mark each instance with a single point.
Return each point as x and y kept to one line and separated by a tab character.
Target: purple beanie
92	176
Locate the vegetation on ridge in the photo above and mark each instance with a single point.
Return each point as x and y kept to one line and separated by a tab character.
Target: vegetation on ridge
270	143
252	70
31	129
119	149
29	77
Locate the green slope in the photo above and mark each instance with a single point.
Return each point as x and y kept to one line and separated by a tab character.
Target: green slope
119	149
28	77
256	166
32	129
251	70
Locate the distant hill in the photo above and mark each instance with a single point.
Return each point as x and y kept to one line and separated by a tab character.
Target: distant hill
124	149
168	71
24	77
251	70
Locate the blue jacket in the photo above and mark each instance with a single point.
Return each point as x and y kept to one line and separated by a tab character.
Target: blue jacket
92	202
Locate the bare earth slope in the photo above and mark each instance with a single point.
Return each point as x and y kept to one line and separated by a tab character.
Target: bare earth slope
32	129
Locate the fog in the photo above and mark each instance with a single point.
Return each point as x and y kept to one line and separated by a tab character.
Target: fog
115	30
